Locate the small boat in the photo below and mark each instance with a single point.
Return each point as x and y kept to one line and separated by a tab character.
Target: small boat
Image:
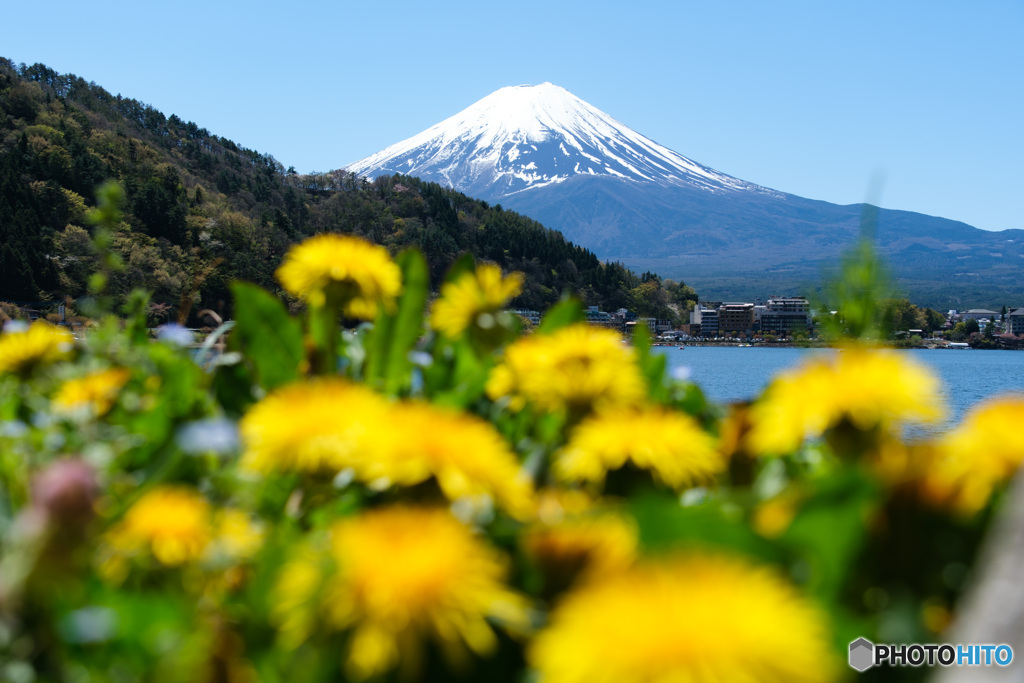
682	347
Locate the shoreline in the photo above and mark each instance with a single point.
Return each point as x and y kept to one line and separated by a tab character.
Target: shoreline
827	345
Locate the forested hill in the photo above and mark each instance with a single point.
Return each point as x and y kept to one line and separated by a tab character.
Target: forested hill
202	210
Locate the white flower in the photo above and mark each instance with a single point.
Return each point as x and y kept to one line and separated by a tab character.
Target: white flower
215	435
174	334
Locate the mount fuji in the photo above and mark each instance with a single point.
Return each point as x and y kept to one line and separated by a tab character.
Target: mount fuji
548	154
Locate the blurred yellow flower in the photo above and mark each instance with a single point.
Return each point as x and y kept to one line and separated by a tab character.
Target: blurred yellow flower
576	367
772	517
867	387
672	445
581	546
171	523
979	455
95	393
402	576
360	274
41	343
472	295
316	426
236	536
464	454
692	620
557	504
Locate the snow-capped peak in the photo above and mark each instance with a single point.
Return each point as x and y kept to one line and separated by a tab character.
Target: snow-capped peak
523	137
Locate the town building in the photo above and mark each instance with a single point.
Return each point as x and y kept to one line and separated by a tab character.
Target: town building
601	318
708	318
736	319
979	314
786	316
1015	322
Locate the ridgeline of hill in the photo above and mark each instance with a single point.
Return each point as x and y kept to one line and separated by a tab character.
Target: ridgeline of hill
202	211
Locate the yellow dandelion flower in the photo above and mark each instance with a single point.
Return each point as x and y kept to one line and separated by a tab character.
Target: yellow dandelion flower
403	575
41	343
685	620
464	454
318	426
357	272
236	537
172	524
670	444
581	546
978	456
295	599
867	387
557	504
772	517
95	393
901	465
472	295
577	367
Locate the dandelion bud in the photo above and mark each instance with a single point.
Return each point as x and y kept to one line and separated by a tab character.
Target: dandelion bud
66	491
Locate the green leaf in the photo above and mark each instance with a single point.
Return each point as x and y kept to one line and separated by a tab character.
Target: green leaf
652	366
464	264
468	378
714	525
267	337
394	335
566	312
830	529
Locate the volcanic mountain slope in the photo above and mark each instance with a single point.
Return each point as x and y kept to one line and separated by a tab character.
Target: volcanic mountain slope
546	153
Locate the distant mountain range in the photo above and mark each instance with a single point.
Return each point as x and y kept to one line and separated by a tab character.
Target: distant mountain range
548	154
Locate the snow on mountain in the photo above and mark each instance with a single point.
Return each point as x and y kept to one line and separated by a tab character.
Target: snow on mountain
544	153
525	137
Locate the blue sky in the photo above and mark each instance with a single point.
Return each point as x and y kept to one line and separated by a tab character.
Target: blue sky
812	98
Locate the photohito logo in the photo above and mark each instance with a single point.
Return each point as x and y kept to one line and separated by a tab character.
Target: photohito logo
864	654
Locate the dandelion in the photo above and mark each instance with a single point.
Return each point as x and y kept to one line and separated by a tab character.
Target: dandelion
346	269
316	427
464	454
581	546
473	299
771	518
41	343
95	393
698	620
978	456
402	576
670	444
170	523
578	367
236	536
867	388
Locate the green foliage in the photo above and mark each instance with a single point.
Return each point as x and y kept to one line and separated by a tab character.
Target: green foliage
268	338
222	612
566	312
391	342
857	291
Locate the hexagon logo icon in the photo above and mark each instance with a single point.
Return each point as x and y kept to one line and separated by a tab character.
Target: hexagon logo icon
862	654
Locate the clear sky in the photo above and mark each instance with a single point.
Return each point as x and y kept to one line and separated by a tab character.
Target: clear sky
808	97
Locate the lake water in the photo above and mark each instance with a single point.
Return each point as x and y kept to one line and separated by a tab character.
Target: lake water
728	373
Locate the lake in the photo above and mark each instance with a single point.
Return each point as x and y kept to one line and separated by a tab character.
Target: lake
729	373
